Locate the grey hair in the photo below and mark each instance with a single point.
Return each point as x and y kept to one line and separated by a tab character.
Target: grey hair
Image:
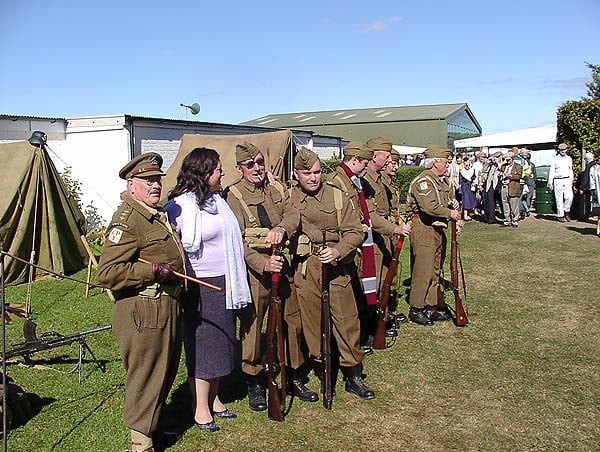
428	162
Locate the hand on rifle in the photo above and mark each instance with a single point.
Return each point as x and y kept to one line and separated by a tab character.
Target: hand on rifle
275	235
402	229
163	272
274	264
454	204
328	254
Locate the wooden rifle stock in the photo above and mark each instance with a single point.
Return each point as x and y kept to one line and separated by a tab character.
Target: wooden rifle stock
460	318
327	374
379	342
275	351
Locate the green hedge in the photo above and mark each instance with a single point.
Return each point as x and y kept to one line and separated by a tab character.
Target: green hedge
405	176
578	126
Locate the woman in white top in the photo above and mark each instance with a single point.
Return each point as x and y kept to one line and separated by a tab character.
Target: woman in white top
214	252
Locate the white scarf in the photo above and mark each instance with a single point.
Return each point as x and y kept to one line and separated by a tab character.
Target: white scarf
237	292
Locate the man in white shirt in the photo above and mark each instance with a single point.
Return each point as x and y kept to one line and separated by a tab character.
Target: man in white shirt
560	179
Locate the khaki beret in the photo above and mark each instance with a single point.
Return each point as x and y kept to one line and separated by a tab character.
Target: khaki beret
144	165
562	146
245	151
305	159
380	144
395	155
359	150
437	152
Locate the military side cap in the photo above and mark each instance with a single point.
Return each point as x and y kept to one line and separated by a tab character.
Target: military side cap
562	146
395	155
144	165
245	151
359	150
436	152
497	154
305	159
380	144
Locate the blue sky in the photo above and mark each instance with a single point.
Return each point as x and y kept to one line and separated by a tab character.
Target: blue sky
513	62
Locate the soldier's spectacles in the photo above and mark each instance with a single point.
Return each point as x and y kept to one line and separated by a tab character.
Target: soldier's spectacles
251	163
148	181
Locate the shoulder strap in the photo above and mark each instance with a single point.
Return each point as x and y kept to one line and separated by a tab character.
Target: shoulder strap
236	192
338	201
280	188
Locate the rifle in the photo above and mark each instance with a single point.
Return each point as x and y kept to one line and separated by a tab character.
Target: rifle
460	318
379	342
50	340
275	350
326	358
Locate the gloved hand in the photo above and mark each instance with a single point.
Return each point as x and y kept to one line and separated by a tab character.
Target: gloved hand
163	272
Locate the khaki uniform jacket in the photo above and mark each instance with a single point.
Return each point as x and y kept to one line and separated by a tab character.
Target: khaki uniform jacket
137	231
341	180
393	194
318	213
279	209
379	205
428	196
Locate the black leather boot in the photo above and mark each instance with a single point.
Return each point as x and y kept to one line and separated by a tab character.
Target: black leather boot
257	396
419	317
297	388
354	383
436	315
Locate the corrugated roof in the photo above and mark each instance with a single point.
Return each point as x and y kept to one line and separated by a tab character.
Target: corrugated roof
360	115
29	118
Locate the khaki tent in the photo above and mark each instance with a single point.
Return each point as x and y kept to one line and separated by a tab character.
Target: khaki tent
274	145
38	216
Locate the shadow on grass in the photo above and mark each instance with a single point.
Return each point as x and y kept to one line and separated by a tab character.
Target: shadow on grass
583	231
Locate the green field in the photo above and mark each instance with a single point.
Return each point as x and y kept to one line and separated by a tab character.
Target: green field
523	376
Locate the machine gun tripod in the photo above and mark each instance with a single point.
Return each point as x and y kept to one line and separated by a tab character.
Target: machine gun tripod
50	340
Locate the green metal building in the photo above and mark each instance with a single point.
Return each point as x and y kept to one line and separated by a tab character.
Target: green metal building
419	125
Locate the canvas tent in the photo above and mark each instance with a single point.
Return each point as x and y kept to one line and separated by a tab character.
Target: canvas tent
38	214
275	146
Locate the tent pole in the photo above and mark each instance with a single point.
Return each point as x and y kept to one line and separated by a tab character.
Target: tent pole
32	256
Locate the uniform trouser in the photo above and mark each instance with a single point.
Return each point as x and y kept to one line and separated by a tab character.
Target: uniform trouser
563	193
427	244
587	204
510	206
148	333
344	316
251	321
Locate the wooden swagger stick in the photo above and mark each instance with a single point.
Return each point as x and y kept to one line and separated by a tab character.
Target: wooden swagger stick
189	278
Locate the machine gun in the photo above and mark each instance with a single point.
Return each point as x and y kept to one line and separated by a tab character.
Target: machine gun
275	362
50	340
326	358
460	318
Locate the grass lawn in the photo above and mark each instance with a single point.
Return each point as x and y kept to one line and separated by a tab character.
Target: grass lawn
524	375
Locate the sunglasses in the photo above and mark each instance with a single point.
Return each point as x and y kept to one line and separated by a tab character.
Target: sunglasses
251	163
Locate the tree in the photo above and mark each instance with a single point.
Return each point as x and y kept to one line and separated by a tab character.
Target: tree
593	85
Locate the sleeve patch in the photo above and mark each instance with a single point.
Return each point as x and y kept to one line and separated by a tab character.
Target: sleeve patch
115	235
423	185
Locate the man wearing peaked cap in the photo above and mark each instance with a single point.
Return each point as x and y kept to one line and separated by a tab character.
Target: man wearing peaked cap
146	318
430	203
266	217
560	179
326	208
143	165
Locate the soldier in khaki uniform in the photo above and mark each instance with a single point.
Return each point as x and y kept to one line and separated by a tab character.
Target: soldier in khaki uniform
431	206
146	314
322	209
382	216
387	226
258	204
388	179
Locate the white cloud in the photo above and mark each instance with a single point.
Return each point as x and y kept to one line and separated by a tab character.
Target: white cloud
381	25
